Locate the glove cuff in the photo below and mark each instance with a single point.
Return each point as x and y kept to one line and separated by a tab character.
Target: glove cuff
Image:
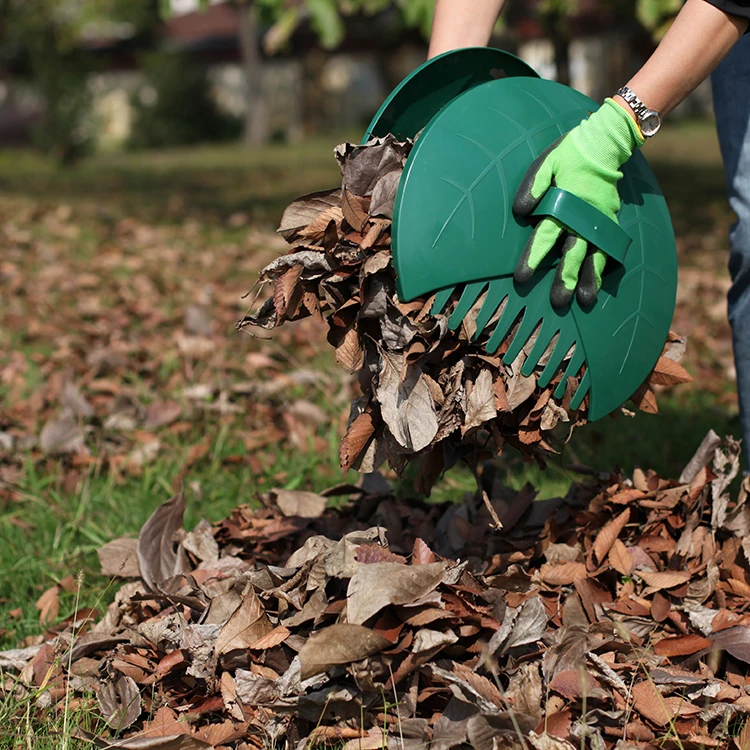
609	135
628	129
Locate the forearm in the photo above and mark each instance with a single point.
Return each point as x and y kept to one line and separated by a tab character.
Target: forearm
699	38
463	23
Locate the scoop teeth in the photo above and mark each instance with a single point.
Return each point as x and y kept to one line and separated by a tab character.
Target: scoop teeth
441	300
581	391
513	309
526	328
546	334
469	296
575	364
556	357
497	291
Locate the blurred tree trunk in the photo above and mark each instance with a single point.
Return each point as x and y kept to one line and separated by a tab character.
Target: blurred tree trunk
557	27
256	116
315	99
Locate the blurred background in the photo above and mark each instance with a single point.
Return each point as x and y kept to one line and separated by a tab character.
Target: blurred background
86	76
147	151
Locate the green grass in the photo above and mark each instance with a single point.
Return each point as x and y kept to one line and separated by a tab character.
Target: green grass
207	183
50	529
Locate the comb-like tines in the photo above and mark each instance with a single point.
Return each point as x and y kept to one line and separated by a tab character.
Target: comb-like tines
533	312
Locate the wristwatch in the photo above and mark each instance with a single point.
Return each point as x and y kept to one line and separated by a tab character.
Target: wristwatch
649	120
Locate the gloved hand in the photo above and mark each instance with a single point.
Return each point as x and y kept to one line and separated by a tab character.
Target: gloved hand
586	161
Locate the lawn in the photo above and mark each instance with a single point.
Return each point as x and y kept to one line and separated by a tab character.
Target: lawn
120	282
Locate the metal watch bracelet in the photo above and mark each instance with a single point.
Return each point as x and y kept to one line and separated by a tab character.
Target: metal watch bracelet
649	120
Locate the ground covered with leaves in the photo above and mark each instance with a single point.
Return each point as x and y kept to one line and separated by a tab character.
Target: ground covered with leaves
123	379
613	617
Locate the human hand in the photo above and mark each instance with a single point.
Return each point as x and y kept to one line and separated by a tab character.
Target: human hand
586	162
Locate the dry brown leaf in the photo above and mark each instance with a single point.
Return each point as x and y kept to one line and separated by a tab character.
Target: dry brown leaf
620	559
48	605
373	587
422	554
501	399
298	503
246	626
682	645
742	741
480	405
606	537
161	413
157	554
272	639
518	389
577	683
337	645
305	210
285	288
546	741
669	372
120	702
735	641
525	693
665	579
371	238
660	607
61	436
645	400
406	405
147	742
165	723
564	574
652	705
357	436
350	354
369	554
353	211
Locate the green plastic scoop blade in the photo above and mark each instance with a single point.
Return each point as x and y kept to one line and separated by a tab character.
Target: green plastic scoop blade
416	100
453	225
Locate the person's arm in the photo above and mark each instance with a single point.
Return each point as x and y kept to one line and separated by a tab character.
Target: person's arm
587	161
462	23
697	41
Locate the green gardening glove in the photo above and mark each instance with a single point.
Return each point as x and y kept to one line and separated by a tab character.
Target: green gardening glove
586	162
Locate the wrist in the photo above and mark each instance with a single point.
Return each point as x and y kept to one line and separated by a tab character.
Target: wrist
647	119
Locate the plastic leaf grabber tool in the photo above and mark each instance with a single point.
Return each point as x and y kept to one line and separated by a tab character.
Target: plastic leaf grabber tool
455	233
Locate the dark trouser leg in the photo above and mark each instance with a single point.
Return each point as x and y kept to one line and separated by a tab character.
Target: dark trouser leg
731	89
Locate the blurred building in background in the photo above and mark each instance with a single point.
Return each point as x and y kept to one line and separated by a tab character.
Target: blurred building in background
304	89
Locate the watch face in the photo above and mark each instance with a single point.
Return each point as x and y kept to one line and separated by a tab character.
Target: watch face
650	123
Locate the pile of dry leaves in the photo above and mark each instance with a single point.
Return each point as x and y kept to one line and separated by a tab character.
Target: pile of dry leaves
612	618
426	390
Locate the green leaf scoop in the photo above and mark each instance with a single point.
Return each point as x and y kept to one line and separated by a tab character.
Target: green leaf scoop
484	117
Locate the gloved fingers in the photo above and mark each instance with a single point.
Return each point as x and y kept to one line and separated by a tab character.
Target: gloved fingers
542	240
535	182
566	279
590	278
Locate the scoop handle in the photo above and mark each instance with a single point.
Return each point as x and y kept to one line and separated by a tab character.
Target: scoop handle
585	221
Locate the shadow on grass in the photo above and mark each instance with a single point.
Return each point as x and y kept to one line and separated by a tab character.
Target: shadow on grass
210	183
663	442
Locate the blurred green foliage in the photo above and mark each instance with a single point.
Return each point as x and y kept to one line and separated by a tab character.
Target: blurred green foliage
657	15
45	40
174	107
326	16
